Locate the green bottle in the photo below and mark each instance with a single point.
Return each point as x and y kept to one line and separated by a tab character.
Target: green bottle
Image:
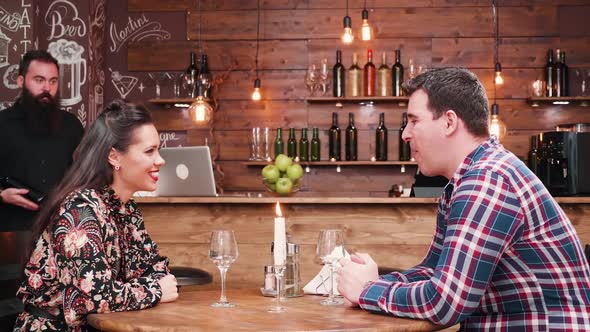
304	146
292	144
279	144
315	146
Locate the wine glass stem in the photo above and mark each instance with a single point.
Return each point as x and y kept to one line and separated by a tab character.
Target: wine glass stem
331	294
223	272
279	270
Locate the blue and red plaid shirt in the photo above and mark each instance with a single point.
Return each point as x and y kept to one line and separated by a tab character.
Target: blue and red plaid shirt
504	257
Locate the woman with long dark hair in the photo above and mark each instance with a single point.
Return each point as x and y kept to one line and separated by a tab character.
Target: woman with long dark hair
92	253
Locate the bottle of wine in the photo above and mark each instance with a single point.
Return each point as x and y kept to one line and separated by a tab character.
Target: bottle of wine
279	144
351	141
304	146
355	78
316	146
369	76
564	76
338	76
534	161
550	75
384	78
205	76
558	74
381	139
397	75
292	144
190	77
334	139
404	147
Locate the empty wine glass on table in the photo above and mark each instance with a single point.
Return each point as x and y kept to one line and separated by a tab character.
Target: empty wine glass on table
329	250
223	250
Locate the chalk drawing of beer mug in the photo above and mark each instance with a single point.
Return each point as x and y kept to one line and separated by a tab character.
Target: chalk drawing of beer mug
72	70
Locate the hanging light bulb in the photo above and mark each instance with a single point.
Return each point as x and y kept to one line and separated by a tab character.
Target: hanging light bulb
256	94
366	30
498	79
497	126
200	111
347	36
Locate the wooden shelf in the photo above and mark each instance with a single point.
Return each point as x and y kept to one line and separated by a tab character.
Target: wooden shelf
537	101
340	163
172	101
340	101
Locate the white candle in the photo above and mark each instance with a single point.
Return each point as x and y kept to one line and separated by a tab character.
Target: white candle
280	247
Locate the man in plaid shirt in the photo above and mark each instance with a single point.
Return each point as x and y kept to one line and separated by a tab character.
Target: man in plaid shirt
504	256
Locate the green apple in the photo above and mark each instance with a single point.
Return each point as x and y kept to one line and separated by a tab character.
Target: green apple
282	162
284	186
271	173
295	172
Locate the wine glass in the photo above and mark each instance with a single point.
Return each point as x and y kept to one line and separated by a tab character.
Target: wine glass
223	250
157	78
330	249
324	77
311	79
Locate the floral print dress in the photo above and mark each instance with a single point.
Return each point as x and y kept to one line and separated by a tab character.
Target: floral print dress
96	257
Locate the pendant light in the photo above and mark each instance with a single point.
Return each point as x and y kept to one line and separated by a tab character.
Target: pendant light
200	111
366	30
347	36
256	94
497	126
498	67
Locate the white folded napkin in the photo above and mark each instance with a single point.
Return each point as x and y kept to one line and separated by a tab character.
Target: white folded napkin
321	283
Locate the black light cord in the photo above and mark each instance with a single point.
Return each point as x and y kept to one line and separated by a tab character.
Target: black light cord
200	19
496	43
346	7
257	36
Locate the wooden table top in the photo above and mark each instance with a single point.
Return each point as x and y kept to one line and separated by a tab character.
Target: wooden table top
192	312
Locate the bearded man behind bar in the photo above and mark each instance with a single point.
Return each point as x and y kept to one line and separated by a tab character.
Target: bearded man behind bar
37	141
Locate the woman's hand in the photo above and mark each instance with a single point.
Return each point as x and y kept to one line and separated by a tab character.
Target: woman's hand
168	285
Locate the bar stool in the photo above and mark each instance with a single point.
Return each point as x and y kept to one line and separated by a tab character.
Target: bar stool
188	276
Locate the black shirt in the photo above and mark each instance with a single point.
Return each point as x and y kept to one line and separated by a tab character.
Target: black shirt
38	161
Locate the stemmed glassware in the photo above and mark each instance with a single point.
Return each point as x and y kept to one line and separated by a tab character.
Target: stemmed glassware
584	76
223	250
158	77
329	250
324	78
176	78
311	79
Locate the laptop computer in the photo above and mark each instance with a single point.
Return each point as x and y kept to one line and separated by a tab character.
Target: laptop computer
188	172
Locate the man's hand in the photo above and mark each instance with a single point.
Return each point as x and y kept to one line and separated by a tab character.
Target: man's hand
15	197
353	276
168	285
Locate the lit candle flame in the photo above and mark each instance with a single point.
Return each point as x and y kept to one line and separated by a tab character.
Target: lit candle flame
278	210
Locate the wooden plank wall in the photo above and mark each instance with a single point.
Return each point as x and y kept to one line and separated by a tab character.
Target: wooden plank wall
296	33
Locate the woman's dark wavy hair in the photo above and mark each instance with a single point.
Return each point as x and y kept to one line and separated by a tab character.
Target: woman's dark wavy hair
90	169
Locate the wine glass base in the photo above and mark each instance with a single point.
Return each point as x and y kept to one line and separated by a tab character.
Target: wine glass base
332	302
277	309
223	305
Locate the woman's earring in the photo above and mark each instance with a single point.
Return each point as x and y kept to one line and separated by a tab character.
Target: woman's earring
117	168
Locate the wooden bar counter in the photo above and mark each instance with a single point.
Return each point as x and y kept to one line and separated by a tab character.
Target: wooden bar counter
395	231
192	312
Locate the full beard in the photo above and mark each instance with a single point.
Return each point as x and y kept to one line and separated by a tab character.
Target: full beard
42	113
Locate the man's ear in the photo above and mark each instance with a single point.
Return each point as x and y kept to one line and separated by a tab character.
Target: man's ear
20	81
451	122
114	157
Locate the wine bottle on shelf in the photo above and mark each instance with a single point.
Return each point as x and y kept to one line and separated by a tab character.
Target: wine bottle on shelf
550	75
384	78
334	142
558	73
355	78
292	144
397	75
338	76
534	161
303	146
279	143
205	76
190	77
369	76
564	75
381	139
351	141
316	145
404	146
